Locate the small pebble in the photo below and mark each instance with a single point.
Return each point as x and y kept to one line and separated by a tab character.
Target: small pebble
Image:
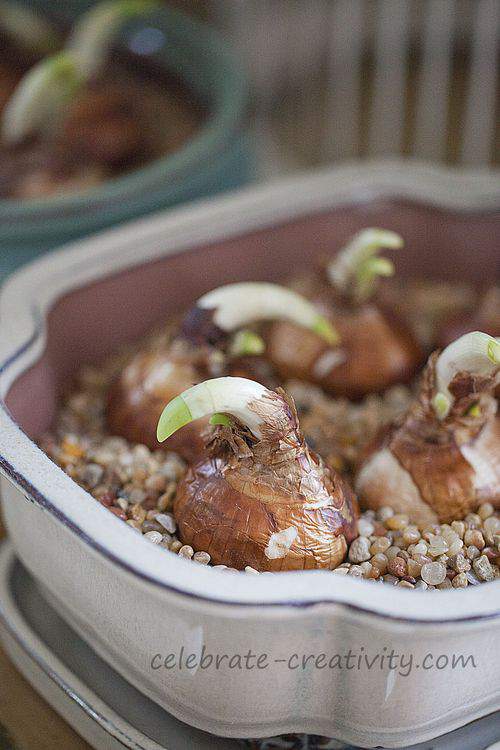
119	513
422	585
397	567
397	521
167	521
490	553
186	551
137	496
365	527
473	520
491	527
446	584
485	511
472	552
411	535
153	536
338	571
414	567
459	563
384	513
201	557
483	569
437	545
134	525
420	548
433	573
138	513
380	561
359	551
92	475
367	569
455	546
150	526
459	528
390	579
393	552
156	482
355	570
474	538
472	578
381	544
460	581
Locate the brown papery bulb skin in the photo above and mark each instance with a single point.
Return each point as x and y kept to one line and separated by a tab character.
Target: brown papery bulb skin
376	351
138	395
432	470
151	379
274	510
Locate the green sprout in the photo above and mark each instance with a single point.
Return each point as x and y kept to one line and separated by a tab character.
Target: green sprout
217	398
476	353
236	305
221	419
247	343
358	267
326	331
41	98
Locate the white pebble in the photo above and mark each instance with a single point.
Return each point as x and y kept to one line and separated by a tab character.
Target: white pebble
167	521
154	536
433	573
201	557
365	527
359	550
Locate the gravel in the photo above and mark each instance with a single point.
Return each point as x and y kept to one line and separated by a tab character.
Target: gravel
138	486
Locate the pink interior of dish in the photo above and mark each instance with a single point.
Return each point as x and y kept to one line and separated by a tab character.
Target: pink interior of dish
90	322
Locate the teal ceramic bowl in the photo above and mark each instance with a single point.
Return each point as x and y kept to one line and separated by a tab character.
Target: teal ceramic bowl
217	158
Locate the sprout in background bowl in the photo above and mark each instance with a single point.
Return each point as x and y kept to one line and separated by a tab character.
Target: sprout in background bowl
42	99
93	34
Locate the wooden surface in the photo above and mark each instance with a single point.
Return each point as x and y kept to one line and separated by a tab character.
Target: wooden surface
26	721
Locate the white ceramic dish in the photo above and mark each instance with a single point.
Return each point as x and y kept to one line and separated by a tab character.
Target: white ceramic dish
102	707
132	600
105	709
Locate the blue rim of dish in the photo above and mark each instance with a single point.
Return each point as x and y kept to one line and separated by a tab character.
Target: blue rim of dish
222	123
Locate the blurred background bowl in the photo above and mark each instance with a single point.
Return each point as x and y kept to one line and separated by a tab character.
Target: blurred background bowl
217	158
